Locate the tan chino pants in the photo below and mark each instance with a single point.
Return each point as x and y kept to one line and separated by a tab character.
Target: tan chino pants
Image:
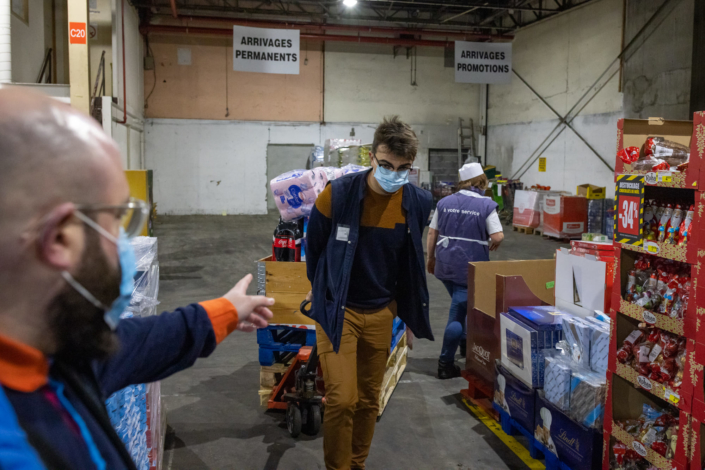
353	379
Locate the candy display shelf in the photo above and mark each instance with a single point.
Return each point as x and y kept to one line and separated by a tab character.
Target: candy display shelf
664	322
624	400
656	459
657	389
628	390
633	132
662	250
697	444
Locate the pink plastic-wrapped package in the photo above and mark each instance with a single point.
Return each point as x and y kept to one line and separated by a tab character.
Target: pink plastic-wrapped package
296	191
348	169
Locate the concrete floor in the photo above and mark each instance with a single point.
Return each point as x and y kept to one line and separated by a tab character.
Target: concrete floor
213	412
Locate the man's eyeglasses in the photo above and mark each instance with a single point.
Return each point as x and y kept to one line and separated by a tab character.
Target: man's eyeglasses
133	214
388	166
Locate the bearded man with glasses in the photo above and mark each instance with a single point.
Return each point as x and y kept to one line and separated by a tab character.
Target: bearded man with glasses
66	275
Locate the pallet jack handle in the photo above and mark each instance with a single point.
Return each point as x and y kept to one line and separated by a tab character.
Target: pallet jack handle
312	363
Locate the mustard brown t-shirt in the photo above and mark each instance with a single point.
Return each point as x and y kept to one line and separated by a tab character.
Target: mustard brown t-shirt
381	241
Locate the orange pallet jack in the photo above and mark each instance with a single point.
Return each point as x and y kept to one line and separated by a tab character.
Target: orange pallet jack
299	392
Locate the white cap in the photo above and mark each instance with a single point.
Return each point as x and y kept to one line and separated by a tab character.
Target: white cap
470	171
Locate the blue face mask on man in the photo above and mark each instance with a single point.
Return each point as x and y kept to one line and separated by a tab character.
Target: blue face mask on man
391	181
128	269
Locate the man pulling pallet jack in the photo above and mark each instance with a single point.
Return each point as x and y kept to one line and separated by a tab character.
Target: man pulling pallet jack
365	261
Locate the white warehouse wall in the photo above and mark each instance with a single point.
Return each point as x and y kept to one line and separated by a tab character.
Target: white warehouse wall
129	136
561	58
28	43
216	167
365	82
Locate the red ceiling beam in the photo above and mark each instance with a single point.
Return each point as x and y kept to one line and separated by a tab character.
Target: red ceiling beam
174	12
161	29
461	35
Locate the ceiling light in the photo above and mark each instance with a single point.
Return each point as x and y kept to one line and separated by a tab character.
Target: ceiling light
349	3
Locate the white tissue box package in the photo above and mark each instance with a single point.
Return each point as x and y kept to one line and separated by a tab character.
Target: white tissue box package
556	383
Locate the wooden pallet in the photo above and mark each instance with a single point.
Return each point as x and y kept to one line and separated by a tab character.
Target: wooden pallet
522	229
538	232
269	377
395	368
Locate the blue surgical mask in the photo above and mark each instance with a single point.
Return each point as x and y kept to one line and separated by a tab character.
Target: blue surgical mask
128	270
391	181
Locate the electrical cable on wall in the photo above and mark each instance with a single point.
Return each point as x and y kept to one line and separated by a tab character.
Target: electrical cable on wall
413	66
227	109
154	70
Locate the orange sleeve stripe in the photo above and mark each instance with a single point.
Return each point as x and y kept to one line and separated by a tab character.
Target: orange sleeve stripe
324	202
223	316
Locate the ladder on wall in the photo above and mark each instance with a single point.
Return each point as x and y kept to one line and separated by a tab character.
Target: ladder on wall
466	142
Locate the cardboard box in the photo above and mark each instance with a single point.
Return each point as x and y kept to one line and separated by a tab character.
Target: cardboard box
288	284
514	397
590	191
526	209
576	446
493	287
565	216
607	247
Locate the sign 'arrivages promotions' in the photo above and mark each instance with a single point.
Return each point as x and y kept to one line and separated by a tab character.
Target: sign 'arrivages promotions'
483	62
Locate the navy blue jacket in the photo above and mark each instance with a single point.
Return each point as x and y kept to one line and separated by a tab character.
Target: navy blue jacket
151	349
329	259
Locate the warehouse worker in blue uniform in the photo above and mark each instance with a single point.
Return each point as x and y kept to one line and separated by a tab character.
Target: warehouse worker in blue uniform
365	260
464	229
66	270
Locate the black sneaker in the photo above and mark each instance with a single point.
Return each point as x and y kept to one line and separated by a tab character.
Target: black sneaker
463	348
447	370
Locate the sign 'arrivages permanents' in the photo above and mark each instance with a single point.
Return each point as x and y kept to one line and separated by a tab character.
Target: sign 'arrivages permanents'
266	50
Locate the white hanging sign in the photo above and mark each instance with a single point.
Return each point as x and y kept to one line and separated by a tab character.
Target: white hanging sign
266	50
483	62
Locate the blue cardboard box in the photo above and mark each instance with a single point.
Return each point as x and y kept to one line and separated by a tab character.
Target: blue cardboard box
514	397
579	447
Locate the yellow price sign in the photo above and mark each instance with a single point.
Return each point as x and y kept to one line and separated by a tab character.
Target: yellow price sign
542	164
652	247
666	179
672	396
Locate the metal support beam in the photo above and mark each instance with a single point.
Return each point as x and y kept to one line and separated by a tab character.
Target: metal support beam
481	6
79	67
563	119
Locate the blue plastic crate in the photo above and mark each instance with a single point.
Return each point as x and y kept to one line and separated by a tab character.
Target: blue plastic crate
279	336
269	357
277	342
